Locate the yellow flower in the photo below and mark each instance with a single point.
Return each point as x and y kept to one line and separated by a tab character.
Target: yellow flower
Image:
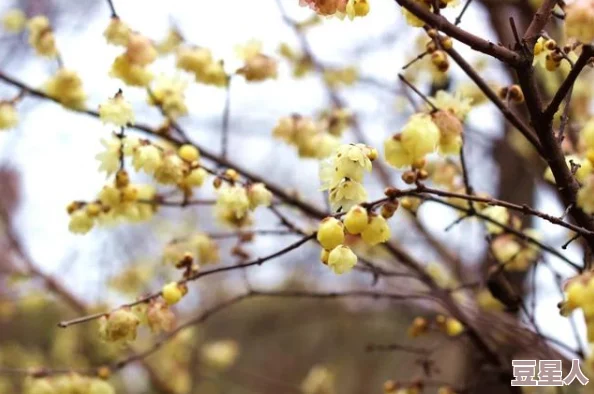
131	74
356	220
213	74
581	174
377	231
148	158
497	214
171	293
450	128
349	161
80	222
579	20
171	42
196	177
8	116
259	68
505	250
41	36
395	153
170	169
117	111
14	20
455	103
420	136
411	19
259	195
194	60
487	302
232	204
207	248
341	259
117	32
346	194
119	325
169	95
140	50
109	159
356	8
220	354
330	233
66	87
576	293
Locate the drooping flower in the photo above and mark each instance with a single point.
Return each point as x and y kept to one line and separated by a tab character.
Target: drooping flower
341	259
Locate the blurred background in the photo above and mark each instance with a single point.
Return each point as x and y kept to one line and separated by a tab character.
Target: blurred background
48	160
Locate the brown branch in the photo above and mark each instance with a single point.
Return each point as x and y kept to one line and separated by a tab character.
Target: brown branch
539	21
583	60
477	43
193	277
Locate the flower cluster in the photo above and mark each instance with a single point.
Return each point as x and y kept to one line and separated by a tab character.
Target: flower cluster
168	94
121	326
66	87
313	138
579	20
131	66
41	36
200	62
419	137
342	175
118	201
516	254
257	66
197	247
373	229
338	8
235	202
67	383
448	325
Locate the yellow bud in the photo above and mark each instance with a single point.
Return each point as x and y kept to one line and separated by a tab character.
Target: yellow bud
189	153
330	233
93	209
356	219
453	327
122	179
171	293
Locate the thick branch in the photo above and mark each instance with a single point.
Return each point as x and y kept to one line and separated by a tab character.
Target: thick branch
477	43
